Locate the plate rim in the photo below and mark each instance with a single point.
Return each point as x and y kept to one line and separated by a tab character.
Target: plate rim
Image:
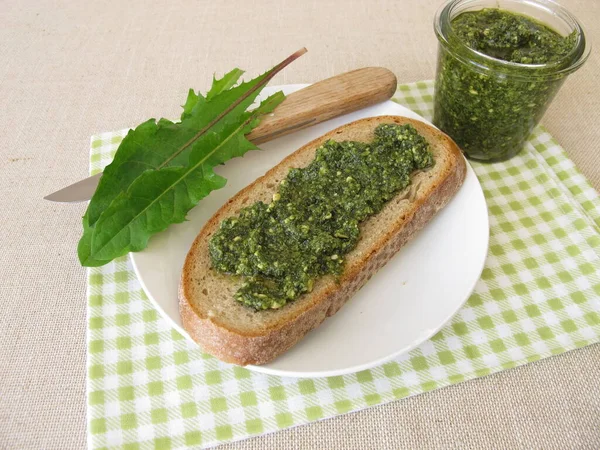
356	368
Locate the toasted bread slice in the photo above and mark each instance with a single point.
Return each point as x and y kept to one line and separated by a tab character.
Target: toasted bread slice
235	333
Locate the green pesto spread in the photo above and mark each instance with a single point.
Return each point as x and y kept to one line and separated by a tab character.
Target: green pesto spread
511	37
312	222
490	113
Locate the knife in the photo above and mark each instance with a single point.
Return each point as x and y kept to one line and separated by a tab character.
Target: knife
324	100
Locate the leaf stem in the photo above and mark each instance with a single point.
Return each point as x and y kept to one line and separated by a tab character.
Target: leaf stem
258	85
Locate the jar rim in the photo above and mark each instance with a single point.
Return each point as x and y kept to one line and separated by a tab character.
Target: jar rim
468	55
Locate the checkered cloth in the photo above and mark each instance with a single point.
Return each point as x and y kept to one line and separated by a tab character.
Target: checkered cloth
539	295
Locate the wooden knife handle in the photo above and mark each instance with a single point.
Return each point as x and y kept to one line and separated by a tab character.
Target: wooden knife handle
325	100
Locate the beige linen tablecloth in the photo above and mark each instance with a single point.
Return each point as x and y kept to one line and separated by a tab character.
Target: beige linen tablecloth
71	69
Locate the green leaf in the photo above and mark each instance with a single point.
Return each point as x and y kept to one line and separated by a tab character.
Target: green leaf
153	145
162	151
190	102
228	81
161	197
218	86
84	248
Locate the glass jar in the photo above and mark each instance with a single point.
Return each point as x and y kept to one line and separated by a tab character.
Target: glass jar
490	106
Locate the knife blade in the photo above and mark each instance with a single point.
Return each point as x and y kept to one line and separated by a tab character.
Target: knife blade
324	100
80	191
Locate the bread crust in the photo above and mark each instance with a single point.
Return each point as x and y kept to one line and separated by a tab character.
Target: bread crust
259	346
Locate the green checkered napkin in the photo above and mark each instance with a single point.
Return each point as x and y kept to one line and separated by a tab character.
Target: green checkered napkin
539	295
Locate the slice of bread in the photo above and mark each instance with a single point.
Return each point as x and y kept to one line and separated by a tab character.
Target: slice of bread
235	333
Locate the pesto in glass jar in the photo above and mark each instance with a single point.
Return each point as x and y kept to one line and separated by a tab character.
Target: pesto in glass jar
497	73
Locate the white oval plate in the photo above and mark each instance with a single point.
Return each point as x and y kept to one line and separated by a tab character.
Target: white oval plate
404	304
